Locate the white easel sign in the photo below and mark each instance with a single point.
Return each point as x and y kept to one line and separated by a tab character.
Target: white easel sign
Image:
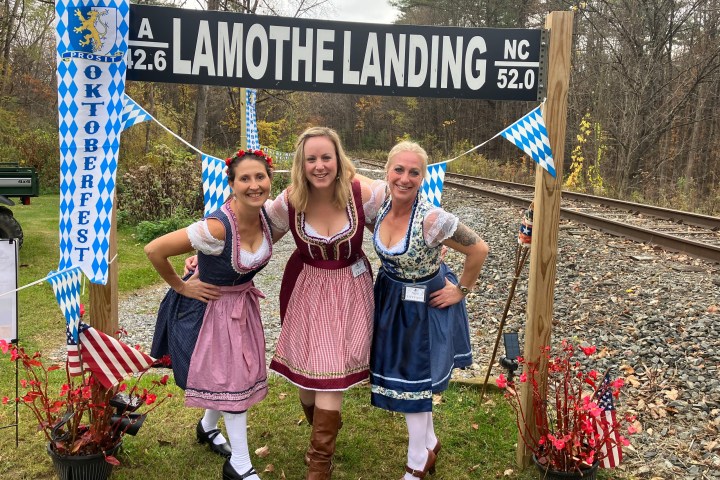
8	283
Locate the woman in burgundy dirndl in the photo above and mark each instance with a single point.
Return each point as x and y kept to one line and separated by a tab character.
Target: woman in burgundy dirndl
326	299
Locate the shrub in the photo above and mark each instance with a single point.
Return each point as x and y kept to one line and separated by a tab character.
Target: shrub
39	148
167	184
149	230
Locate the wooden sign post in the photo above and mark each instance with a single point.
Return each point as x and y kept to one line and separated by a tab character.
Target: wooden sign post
243	123
543	256
104	298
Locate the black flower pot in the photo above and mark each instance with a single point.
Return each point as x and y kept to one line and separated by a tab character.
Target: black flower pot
82	467
124	403
547	473
129	423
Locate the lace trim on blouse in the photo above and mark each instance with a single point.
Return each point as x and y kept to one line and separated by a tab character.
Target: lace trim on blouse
251	258
278	213
438	226
311	232
277	209
202	240
378	189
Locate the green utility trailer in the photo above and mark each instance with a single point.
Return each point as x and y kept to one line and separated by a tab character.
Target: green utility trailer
19	182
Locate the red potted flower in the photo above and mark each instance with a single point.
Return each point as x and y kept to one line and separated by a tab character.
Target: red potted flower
83	421
577	424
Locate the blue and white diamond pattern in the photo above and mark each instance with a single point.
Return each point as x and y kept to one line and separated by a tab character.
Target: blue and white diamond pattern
432	185
530	135
132	113
215	183
66	286
80	82
253	142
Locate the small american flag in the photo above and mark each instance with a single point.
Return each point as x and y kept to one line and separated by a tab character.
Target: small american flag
610	447
107	358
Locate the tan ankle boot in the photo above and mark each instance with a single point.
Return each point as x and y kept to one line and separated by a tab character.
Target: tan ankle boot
326	424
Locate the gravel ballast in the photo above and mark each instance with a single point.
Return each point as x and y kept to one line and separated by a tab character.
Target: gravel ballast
653	316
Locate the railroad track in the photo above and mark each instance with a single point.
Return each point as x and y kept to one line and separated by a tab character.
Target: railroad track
695	234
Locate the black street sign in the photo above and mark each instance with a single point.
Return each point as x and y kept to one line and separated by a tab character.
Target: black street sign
222	48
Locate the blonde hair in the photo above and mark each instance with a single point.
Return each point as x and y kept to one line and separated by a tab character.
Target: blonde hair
407	146
299	191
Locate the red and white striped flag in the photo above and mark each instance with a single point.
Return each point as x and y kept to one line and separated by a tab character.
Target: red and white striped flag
107	358
605	424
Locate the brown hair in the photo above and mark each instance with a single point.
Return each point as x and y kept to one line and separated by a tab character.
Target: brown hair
232	165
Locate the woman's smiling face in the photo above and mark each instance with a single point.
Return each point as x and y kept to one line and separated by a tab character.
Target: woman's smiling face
405	175
321	164
252	183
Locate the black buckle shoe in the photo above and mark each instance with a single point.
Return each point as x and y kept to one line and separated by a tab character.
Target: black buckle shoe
222	449
229	473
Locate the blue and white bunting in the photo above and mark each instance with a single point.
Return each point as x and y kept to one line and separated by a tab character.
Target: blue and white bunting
215	183
92	40
251	131
132	113
277	155
432	185
530	135
66	286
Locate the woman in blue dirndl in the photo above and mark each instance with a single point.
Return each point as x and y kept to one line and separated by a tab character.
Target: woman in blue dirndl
421	330
209	322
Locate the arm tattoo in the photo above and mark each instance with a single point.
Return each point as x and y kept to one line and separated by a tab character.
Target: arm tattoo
464	236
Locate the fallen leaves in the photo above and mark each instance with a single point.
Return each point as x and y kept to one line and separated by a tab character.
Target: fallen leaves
657	409
633	380
671	394
263	452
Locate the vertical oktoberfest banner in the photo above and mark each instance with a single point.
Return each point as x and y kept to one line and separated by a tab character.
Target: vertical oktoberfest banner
92	38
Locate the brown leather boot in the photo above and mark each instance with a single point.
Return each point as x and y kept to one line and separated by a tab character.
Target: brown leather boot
309	412
322	443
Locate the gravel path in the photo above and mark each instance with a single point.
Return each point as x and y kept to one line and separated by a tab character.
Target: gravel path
653	315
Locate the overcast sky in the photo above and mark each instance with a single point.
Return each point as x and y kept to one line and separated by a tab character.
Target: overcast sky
370	11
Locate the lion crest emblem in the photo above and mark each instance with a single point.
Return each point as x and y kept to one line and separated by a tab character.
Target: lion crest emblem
94	29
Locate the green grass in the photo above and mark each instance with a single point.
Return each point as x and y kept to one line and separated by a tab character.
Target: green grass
478	440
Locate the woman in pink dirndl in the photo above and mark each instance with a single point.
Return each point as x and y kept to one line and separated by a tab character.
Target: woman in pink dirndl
326	298
210	323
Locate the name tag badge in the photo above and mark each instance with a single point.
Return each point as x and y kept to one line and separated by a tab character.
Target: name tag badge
414	293
358	268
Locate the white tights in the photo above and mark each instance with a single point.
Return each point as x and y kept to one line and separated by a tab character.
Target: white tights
421	437
210	422
236	424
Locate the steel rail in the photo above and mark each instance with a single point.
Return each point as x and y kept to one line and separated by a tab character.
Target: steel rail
665	240
670	242
688	218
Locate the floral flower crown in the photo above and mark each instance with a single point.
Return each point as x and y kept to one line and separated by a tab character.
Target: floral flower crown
258	153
